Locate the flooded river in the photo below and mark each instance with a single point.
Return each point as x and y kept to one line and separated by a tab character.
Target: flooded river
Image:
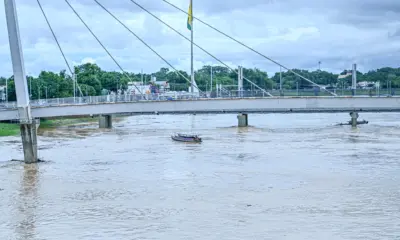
287	177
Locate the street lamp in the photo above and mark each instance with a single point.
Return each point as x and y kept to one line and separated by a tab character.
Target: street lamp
30	87
280	80
6	90
211	72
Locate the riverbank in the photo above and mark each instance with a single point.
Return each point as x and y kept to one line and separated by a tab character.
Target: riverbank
58	122
12	129
9	129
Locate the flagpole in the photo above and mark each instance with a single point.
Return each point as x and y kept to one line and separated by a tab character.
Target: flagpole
191	51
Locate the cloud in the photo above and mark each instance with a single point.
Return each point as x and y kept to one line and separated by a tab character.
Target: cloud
296	33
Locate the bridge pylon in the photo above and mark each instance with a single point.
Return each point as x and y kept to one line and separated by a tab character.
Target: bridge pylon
28	124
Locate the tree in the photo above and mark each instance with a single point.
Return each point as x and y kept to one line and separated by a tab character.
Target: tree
93	80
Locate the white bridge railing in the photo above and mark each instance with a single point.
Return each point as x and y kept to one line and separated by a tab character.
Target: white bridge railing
135	98
169	96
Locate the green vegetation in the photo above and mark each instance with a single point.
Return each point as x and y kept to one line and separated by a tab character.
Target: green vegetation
57	122
12	129
9	129
94	81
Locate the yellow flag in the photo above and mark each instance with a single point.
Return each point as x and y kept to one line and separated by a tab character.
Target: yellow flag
190	17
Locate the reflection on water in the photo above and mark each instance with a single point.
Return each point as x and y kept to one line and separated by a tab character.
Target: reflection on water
285	177
26	202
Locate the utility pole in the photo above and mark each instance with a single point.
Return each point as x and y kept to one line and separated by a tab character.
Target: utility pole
211	78
30	88
141	76
280	80
74	85
6	90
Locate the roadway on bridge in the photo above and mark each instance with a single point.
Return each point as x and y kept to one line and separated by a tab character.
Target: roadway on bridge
254	105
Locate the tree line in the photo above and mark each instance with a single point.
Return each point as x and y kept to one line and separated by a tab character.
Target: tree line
92	80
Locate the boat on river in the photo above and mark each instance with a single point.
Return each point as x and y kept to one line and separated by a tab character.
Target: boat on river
179	137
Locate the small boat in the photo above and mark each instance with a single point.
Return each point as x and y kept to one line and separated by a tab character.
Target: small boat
186	138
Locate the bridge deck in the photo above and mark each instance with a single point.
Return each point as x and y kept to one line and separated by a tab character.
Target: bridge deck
250	105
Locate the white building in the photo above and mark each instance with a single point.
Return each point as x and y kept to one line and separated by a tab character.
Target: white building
2	93
134	86
368	85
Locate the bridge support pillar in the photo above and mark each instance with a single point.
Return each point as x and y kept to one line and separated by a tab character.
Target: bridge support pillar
29	141
354	117
27	124
243	120
105	121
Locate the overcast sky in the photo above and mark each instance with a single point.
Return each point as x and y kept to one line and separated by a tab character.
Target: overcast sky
296	33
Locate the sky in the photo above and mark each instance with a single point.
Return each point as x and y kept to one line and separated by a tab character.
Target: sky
295	33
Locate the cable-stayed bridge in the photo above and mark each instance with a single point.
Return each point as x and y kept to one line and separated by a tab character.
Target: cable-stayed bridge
27	111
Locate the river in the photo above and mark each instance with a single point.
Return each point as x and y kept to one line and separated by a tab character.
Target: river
288	176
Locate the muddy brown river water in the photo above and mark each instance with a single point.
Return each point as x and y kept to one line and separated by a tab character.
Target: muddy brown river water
286	177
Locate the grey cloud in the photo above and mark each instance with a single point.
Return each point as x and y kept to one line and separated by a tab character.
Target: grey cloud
297	33
91	5
396	34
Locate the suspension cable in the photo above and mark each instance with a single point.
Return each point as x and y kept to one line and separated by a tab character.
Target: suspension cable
58	44
105	49
144	9
250	48
154	51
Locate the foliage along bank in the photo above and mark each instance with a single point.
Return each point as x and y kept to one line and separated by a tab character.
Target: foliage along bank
95	81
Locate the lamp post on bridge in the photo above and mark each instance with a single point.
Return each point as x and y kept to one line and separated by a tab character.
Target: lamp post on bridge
30	88
6	90
211	80
280	81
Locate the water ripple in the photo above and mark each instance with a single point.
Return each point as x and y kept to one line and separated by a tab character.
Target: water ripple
285	177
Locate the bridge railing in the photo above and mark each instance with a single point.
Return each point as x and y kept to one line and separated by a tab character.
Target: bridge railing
5	105
305	92
189	96
114	98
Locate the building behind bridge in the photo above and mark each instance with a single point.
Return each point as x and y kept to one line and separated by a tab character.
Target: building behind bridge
2	93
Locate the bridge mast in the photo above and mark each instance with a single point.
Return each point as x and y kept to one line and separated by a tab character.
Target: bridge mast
191	47
28	126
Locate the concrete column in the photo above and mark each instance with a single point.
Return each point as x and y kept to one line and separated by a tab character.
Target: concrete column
29	141
354	117
242	120
28	125
105	121
354	80
240	81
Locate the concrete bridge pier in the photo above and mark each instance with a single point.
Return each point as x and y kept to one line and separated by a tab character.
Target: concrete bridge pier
105	121
354	120
243	120
29	141
354	117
